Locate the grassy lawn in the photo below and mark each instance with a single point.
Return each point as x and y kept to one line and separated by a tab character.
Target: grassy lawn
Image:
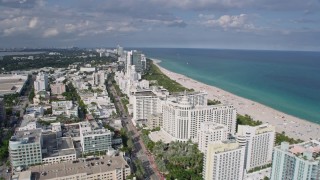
155	74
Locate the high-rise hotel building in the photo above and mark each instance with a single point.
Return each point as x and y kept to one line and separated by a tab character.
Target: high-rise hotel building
224	160
181	119
41	83
259	142
211	132
144	104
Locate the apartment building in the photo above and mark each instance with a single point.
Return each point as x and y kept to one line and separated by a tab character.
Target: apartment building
224	160
297	161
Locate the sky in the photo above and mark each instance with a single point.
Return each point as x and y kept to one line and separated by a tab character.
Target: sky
231	24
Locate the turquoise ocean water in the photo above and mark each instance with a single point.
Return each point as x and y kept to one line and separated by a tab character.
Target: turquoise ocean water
288	81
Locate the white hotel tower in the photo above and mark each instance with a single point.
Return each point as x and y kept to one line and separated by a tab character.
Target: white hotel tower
224	161
211	132
41	83
259	142
181	120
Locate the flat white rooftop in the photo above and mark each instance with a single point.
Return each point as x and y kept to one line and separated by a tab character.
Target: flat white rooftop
160	135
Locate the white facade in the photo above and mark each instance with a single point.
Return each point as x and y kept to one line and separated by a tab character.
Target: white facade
211	132
63	150
104	168
35	111
99	78
224	160
87	69
59	159
94	140
259	142
64	108
144	104
154	121
195	98
182	120
128	62
41	83
30	126
56	127
25	148
99	105
297	161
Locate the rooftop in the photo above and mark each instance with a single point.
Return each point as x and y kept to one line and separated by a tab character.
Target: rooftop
223	146
312	147
209	127
57	146
27	136
11	83
160	136
88	166
97	132
144	93
187	93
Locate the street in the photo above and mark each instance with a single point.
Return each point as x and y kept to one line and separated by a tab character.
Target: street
139	151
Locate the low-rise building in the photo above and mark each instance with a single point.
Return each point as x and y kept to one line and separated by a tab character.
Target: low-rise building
104	168
30	126
58	88
12	84
56	149
34	111
42	97
87	69
24	175
66	108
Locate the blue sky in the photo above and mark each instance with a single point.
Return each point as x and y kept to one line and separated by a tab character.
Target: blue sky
234	24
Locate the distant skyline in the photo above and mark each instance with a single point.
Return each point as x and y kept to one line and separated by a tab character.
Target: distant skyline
231	24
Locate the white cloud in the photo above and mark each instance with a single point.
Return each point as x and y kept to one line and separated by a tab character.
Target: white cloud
50	32
8	31
128	29
206	16
230	22
204	4
14	25
33	22
73	27
168	23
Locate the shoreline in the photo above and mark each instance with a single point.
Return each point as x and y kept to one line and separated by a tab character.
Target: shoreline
293	127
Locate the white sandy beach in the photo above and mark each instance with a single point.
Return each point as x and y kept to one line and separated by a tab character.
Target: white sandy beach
292	126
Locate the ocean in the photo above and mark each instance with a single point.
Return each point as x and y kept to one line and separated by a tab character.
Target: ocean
288	81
